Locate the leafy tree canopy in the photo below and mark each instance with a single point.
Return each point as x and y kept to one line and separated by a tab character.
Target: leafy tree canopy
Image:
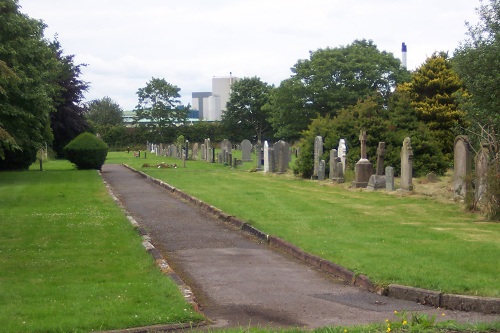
332	79
246	117
477	61
104	112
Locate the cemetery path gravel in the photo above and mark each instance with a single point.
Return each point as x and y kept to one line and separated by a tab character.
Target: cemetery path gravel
239	281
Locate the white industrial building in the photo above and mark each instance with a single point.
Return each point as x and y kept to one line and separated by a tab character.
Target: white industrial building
213	104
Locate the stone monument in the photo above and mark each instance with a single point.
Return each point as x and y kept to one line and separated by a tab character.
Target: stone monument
406	165
462	166
363	169
318	151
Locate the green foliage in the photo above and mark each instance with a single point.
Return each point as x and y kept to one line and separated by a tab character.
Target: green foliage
86	151
435	90
159	103
333	79
104	112
246	117
477	61
28	69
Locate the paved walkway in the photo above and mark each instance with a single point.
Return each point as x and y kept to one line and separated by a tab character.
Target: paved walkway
240	282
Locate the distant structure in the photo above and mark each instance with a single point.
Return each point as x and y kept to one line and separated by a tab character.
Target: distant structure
213	104
403	55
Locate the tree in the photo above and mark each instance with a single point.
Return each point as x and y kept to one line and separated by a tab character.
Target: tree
477	61
26	97
159	103
435	90
104	112
68	121
246	116
332	79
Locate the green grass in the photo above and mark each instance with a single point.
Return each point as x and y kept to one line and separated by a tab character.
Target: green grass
70	260
406	240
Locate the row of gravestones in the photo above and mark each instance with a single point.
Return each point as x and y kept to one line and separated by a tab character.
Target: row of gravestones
273	159
463	174
364	175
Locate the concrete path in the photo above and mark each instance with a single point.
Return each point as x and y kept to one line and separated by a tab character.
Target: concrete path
240	282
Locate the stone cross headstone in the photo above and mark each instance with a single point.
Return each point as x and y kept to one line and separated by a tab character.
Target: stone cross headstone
318	151
462	166
406	165
342	153
321	170
389	178
246	151
363	169
380	159
281	156
482	162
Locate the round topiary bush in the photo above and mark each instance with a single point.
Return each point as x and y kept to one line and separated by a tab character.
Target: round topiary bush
86	151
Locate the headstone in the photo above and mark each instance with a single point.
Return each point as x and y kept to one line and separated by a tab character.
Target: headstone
431	177
259	156
209	157
363	169
195	152
175	154
246	151
336	168
380	159
389	179
318	152
342	153
268	158
226	145
321	170
281	156
462	166
406	165
203	152
482	162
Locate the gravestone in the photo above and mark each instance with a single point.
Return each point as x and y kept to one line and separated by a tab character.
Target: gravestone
406	165
363	169
336	168
246	151
462	166
377	181
321	170
482	162
209	151
195	152
318	151
281	156
268	158
259	156
342	153
226	145
389	179
203	152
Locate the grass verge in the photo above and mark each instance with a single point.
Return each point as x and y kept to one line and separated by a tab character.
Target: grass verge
407	240
71	261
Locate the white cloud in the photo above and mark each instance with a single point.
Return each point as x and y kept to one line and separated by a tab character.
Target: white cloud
188	42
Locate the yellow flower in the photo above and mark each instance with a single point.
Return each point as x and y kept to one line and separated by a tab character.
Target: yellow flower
345	331
387	320
405	322
395	312
442	314
388	329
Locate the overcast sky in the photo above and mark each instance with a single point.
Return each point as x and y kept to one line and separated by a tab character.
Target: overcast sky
187	42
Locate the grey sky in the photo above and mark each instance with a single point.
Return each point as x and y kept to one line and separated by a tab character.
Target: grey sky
125	43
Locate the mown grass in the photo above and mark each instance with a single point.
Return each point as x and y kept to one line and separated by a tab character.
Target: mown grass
70	260
407	240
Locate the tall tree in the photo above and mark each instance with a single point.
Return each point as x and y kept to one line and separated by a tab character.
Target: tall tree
159	104
104	112
435	90
26	101
67	121
477	61
332	79
246	116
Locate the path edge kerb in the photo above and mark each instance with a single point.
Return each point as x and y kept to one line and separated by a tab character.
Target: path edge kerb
487	305
166	270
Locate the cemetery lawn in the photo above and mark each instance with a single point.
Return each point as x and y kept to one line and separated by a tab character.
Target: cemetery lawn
393	239
71	261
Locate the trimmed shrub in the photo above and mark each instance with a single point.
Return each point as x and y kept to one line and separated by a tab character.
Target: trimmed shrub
86	151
